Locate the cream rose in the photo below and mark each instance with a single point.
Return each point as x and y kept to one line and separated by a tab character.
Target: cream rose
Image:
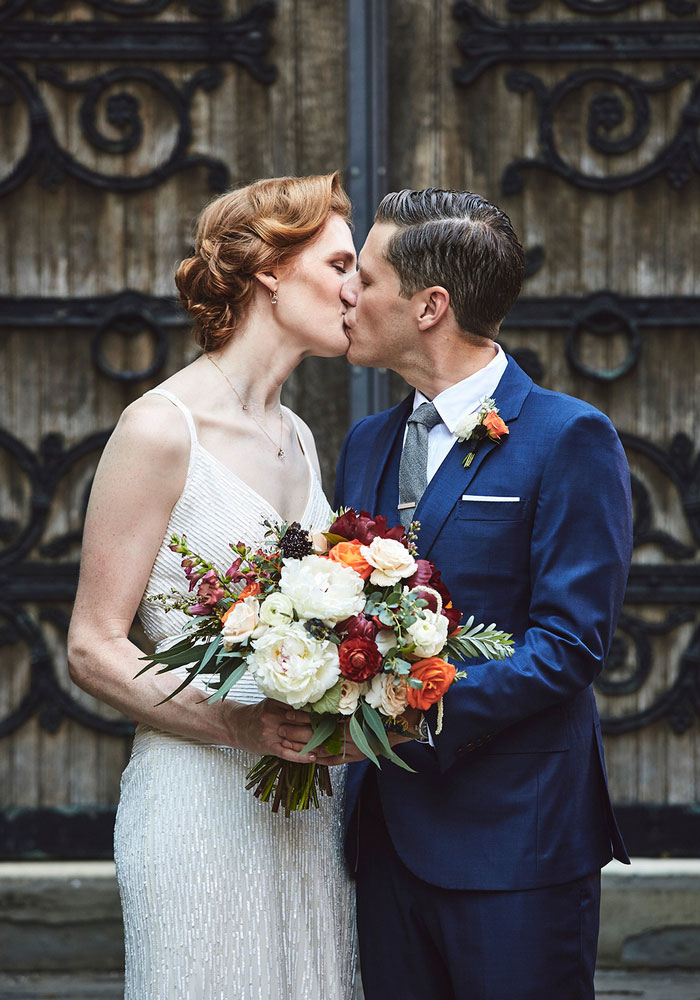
391	560
291	666
350	693
466	425
242	622
276	609
429	633
321	588
387	696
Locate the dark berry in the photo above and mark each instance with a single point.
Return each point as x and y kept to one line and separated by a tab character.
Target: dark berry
296	542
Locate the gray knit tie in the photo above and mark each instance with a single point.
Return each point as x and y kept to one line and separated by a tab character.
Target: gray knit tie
414	460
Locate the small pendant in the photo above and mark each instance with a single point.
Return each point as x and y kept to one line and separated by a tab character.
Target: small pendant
280	453
244	406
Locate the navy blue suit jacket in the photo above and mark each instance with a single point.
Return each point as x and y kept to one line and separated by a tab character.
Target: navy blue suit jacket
514	793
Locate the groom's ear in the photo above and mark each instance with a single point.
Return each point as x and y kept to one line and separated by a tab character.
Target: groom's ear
433	304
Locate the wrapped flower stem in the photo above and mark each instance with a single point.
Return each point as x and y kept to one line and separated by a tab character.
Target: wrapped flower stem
296	787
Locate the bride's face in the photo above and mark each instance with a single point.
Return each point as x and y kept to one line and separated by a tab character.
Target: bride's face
308	297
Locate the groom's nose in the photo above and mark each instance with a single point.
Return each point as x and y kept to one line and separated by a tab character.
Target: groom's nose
348	291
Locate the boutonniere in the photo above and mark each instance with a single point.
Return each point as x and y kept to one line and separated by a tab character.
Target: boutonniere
476	427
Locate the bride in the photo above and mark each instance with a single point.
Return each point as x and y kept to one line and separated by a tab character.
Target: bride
222	899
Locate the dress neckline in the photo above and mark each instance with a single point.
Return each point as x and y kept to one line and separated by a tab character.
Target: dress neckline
253	492
196	444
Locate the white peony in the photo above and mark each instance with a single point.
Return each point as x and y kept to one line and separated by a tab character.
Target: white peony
276	609
242	622
321	588
387	696
391	560
350	692
429	633
293	667
466	425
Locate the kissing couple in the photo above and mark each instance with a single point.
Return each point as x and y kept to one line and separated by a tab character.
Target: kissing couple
477	877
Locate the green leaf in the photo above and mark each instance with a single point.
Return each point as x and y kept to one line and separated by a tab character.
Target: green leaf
374	722
323	729
211	649
333	539
228	683
361	740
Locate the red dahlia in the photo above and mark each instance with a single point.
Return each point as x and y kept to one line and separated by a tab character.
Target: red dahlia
359	659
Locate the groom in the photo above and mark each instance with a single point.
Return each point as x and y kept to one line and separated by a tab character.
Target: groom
478	877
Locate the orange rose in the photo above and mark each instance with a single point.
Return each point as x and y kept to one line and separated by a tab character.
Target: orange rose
437	675
495	426
350	554
251	590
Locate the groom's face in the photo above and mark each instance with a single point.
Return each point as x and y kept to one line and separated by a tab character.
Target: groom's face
379	323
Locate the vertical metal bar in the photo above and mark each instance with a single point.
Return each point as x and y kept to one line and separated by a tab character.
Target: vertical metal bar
367	159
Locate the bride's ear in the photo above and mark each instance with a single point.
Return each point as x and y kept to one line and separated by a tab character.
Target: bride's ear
268	279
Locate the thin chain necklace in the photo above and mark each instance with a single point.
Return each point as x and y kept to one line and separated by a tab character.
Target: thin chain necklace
244	405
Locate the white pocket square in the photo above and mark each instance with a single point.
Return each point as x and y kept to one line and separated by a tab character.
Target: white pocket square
470	496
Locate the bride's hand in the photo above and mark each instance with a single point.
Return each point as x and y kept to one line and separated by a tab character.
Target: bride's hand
269	727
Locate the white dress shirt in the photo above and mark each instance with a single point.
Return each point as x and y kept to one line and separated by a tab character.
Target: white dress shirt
458	400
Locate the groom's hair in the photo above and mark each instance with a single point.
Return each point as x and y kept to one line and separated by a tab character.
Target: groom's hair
459	241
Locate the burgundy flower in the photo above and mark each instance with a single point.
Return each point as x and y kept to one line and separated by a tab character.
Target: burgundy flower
193	574
359	626
209	592
435	582
232	572
359	659
364	528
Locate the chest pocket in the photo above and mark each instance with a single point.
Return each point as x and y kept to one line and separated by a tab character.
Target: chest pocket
473	508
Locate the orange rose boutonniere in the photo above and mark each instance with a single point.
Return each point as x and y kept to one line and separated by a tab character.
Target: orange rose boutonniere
477	427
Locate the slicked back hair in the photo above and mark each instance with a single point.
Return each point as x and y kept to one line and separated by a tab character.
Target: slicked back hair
459	241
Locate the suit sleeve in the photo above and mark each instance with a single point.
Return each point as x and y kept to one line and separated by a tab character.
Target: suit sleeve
580	551
340	494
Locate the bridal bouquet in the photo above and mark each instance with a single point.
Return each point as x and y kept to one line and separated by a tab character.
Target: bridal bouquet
347	624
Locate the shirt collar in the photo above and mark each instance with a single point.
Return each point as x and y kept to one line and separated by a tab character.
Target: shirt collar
465	396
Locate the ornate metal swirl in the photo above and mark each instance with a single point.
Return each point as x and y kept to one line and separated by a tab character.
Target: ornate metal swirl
606	112
119	8
245	42
24	581
487	42
651	584
680	7
603	314
126	315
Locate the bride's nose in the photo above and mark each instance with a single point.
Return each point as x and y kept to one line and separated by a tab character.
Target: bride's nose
348	291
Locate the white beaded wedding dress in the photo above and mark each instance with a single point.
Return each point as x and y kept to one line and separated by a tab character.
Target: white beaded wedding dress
222	899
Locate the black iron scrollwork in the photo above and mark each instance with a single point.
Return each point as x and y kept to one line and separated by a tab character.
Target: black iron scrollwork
215	42
486	43
47	581
651	584
597	7
603	314
125	314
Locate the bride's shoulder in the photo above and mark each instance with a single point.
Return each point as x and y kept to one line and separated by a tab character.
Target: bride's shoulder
153	427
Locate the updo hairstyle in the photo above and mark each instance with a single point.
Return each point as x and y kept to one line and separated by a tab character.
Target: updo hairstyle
256	228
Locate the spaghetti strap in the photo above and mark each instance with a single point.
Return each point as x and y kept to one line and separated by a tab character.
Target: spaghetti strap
189	419
297	430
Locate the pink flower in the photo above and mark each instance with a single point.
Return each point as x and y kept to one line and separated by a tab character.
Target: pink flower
209	592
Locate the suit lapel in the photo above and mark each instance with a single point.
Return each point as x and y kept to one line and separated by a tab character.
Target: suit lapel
379	452
452	480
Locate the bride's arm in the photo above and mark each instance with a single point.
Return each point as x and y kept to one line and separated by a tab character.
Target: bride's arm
138	481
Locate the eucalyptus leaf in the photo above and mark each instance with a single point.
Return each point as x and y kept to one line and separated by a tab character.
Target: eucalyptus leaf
361	740
323	729
228	683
